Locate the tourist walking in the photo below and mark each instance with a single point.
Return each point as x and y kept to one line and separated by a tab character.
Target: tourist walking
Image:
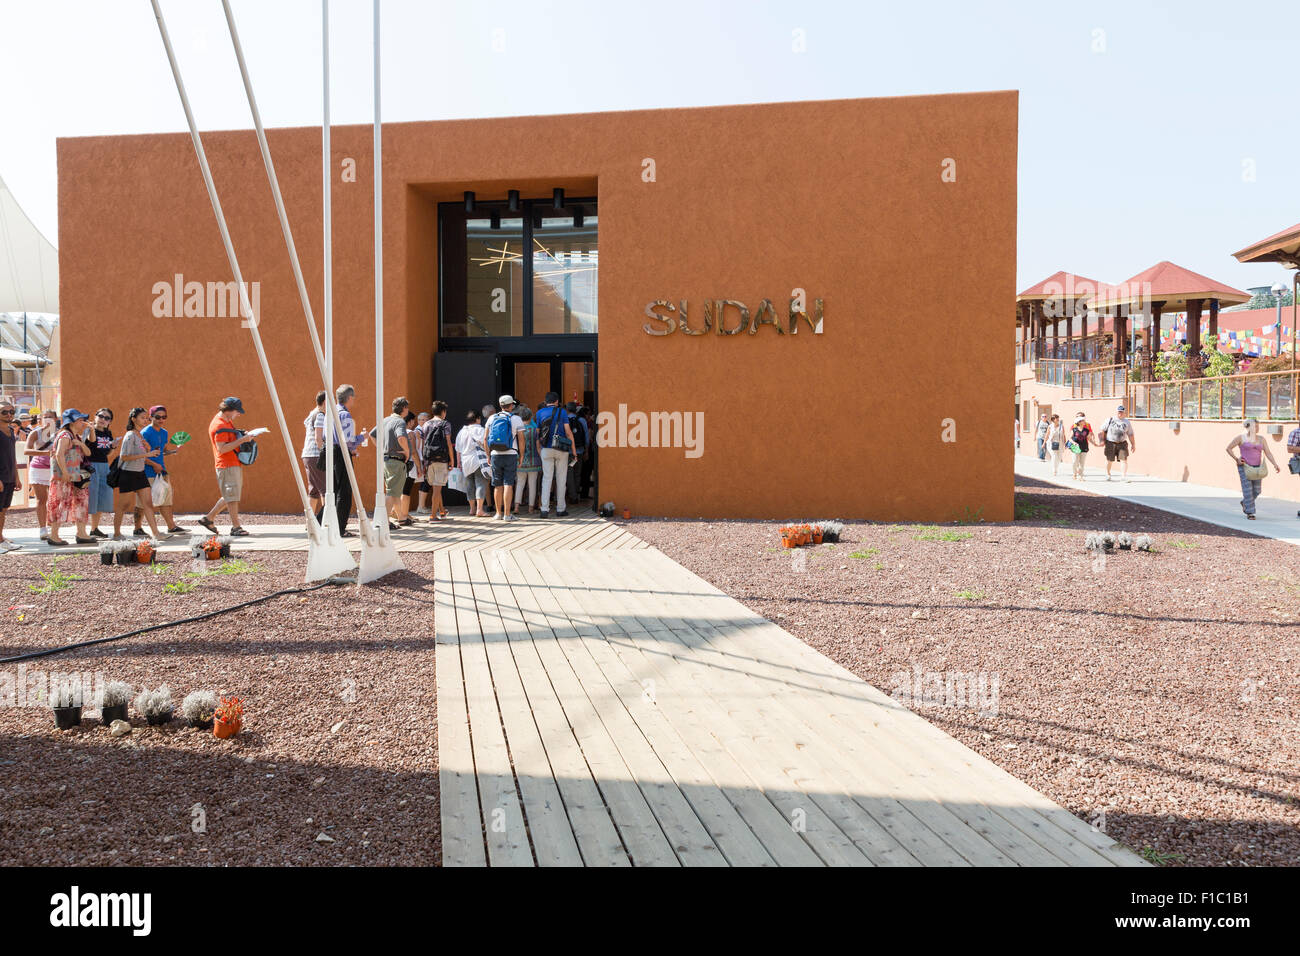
23	425
1080	437
395	447
1117	432
555	441
473	462
39	442
1056	442
346	443
132	485
1040	436
530	463
420	494
226	440
69	491
313	441
8	468
161	492
501	441
1293	446
439	456
101	441
1251	452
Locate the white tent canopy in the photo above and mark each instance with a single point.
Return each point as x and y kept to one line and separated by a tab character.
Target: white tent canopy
29	263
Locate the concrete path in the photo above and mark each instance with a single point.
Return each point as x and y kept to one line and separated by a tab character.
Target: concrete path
577	530
1276	517
610	708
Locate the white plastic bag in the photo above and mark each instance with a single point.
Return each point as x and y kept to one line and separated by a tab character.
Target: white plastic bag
456	480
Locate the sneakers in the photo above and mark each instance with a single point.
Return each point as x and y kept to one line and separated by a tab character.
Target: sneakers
140	533
546	514
510	517
96	533
499	516
176	530
562	514
7	546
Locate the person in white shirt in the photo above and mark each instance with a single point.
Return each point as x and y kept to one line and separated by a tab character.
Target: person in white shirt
472	463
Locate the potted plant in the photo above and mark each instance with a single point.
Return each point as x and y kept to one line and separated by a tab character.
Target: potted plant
228	718
788	537
1108	541
65	701
144	551
125	552
155	705
831	530
107	550
817	534
198	708
113	704
1125	541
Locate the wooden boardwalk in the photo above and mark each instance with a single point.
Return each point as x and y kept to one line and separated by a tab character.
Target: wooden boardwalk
610	708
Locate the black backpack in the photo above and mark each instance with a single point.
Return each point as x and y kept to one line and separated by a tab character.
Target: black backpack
436	447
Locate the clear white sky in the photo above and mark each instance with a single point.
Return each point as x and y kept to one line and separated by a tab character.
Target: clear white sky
1128	155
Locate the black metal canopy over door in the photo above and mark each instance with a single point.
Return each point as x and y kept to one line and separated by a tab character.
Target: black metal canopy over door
464	380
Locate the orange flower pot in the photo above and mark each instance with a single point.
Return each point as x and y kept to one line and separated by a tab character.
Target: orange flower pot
817	535
627	513
227	728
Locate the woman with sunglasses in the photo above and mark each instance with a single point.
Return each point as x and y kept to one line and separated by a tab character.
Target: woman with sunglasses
101	441
132	485
69	494
39	442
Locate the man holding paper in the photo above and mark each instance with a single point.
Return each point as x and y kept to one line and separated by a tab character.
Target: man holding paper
226	441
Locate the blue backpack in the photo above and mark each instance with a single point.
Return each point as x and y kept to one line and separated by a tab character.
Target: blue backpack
500	436
551	428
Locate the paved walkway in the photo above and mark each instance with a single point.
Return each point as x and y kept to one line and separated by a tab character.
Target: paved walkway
611	708
580	530
1276	517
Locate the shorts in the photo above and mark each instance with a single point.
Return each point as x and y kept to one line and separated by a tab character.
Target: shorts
504	468
394	477
39	476
7	494
436	474
161	491
1116	450
315	478
231	482
129	482
408	485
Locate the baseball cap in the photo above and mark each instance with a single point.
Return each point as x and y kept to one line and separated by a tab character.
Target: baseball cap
1078	415
1120	409
232	404
506	400
155	409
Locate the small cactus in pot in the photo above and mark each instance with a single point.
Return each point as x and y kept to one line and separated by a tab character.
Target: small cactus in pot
1124	540
112	704
198	708
156	705
66	702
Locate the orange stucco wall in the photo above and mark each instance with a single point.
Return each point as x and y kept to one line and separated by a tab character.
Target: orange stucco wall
844	199
1196	452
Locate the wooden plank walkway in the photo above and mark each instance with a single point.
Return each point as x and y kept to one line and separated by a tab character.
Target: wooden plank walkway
585	530
608	707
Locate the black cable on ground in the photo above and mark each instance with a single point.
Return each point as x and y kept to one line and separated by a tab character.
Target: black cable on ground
184	620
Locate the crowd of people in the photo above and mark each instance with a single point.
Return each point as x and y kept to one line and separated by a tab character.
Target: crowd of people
504	458
1248	450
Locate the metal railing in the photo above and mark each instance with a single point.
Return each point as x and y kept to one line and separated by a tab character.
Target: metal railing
1083	350
1267	396
1107	381
1054	371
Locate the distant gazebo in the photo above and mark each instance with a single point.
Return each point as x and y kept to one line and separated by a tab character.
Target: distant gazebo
1044	306
1283	248
1165	287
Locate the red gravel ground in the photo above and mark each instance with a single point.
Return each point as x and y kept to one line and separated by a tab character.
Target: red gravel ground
1162	689
339	734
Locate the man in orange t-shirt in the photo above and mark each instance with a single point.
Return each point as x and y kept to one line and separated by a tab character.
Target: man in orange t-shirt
225	440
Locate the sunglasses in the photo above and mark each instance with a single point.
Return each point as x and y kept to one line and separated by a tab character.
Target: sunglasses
160	418
7	414
104	418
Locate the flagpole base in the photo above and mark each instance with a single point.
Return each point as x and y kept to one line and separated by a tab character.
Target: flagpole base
379	555
327	555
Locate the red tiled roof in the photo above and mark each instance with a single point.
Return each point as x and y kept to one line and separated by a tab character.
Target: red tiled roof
1168	283
1283	247
1060	285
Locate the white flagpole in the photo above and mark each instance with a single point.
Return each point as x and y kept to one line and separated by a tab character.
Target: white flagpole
326	171
245	307
382	559
328	556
